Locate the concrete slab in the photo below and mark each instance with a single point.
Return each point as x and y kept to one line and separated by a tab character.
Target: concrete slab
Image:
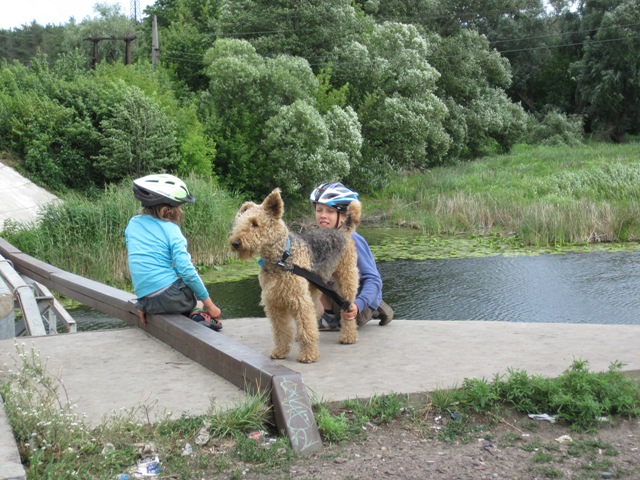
107	371
21	199
120	369
116	371
10	466
420	356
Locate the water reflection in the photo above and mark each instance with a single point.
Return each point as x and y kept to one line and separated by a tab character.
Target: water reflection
238	299
571	288
88	319
597	288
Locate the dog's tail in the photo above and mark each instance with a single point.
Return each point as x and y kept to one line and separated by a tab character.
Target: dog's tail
352	219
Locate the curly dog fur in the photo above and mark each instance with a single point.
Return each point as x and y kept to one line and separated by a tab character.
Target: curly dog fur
330	253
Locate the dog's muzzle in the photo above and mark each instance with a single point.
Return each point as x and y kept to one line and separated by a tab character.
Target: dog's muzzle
236	244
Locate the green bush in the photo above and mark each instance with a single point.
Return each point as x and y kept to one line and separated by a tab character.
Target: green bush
555	128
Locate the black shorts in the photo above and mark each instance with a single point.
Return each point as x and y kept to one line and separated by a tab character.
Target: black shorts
177	298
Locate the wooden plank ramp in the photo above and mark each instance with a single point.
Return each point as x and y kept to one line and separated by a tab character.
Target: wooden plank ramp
235	362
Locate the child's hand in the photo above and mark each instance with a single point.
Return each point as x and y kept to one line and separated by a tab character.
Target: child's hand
352	313
214	312
211	308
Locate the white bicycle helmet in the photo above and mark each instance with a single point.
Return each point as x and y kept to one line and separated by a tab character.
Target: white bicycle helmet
334	195
161	188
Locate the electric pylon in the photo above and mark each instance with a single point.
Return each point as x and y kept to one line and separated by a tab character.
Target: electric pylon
135	12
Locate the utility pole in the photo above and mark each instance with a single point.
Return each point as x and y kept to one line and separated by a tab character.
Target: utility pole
135	12
155	45
94	59
127	50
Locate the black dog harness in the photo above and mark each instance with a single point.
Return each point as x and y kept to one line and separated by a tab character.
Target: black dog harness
310	276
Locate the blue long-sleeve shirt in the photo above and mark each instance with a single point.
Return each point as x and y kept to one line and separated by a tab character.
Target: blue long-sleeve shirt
370	285
157	254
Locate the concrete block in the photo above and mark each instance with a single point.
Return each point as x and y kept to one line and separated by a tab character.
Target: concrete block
10	466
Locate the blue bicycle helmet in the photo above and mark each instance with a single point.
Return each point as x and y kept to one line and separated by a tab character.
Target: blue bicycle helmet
334	195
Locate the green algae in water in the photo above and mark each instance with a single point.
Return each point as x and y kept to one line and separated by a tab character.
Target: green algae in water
411	245
390	244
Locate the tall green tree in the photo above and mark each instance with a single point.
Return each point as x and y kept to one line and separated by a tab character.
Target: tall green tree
539	39
136	139
608	74
311	30
392	88
23	43
58	119
187	29
111	26
473	84
53	140
268	130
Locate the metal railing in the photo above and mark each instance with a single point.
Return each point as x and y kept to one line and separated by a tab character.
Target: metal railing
40	310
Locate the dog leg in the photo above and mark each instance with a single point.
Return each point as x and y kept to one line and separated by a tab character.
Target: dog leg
348	331
346	282
282	330
304	311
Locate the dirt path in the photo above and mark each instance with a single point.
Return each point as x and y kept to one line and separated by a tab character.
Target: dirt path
496	447
511	448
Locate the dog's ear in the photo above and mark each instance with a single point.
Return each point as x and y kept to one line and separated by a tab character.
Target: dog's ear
245	206
273	204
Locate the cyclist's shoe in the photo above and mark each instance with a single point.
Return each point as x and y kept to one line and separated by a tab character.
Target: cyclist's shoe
328	322
203	318
384	313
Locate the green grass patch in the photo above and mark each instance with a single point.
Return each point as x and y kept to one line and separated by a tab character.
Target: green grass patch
86	235
540	196
533	200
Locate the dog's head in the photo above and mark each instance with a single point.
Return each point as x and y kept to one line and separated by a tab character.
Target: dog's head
258	225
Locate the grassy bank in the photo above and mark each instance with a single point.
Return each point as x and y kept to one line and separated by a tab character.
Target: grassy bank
532	198
539	196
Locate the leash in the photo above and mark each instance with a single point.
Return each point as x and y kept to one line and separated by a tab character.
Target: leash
310	276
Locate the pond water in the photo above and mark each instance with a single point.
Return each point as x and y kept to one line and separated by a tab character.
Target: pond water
599	288
596	287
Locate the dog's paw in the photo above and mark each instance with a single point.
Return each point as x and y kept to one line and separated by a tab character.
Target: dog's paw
307	358
348	339
278	355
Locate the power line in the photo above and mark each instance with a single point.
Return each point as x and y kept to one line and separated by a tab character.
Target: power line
587	42
171	55
559	34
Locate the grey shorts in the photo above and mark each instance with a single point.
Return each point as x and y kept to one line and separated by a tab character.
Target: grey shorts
177	298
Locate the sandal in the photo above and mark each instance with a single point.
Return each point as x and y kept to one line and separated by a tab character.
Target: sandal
200	316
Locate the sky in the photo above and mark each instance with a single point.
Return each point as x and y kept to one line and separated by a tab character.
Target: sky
15	13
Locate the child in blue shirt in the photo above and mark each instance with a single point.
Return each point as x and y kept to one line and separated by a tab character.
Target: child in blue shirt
163	275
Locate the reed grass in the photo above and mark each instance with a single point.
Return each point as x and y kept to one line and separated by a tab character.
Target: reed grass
541	195
86	235
535	196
